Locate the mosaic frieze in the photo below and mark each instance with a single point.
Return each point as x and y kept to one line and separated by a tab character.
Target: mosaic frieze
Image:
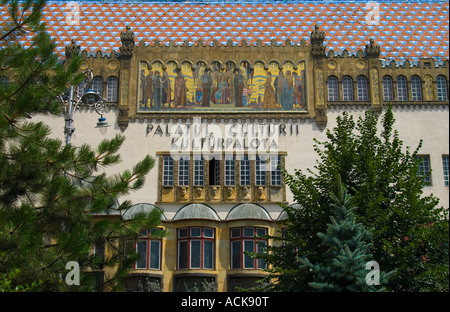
218	86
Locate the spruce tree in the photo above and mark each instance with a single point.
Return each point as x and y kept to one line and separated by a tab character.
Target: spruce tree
49	191
348	247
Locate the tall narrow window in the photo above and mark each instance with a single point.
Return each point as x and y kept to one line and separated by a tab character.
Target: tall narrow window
167	171
214	172
275	171
183	172
441	84
347	89
416	88
199	171
445	167
363	93
388	91
111	89
245	170
230	170
260	171
97	85
424	169
402	91
196	248
333	89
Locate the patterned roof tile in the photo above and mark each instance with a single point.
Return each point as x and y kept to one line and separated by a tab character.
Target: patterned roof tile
405	29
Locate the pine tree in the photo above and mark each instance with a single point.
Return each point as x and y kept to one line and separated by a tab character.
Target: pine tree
348	245
49	191
410	231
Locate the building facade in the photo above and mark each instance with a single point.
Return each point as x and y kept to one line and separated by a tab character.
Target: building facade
221	114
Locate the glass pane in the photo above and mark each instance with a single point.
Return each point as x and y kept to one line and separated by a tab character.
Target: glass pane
248	232
141	249
196	232
208	255
182	233
249	263
154	254
261	245
261	231
182	255
235	233
195	254
208	233
236	255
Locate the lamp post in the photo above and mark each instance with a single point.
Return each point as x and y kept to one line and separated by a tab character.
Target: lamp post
90	98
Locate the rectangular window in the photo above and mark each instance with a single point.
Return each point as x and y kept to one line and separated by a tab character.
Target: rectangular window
182	254
214	172
183	172
261	248
245	170
195	254
199	172
141	249
275	176
249	263
445	165
155	252
167	170
236	254
424	169
208	257
260	171
230	170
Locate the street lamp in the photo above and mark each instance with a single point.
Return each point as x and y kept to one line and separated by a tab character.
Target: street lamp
90	98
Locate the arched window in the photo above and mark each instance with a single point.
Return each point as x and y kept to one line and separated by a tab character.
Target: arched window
402	91
441	84
333	90
361	84
97	85
388	90
416	88
347	89
111	89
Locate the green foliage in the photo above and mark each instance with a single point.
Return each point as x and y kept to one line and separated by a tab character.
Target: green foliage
348	245
50	193
410	232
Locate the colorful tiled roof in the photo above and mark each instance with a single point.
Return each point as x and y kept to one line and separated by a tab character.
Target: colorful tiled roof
405	29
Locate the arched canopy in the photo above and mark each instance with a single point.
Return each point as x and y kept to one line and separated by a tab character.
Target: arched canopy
284	215
196	211
139	208
248	211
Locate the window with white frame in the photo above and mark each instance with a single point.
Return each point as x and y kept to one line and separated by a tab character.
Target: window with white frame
245	170
333	89
112	86
167	170
196	248
260	170
362	90
424	168
230	168
148	250
441	85
402	90
183	171
347	89
388	91
275	171
416	88
199	171
445	167
97	85
247	239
